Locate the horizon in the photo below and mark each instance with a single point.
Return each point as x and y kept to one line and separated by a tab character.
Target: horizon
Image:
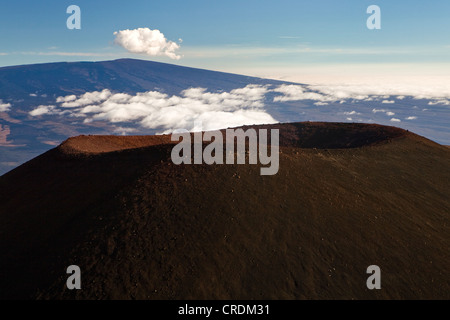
320	77
297	41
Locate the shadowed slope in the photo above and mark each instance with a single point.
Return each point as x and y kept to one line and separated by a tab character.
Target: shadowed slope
346	196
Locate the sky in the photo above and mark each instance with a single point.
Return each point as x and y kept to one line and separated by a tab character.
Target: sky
304	41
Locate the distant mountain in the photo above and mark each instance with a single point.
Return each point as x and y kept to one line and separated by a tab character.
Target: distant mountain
22	137
346	196
123	75
42	105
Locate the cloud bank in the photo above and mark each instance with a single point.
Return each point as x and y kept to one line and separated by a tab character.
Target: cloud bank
217	110
439	95
156	110
147	41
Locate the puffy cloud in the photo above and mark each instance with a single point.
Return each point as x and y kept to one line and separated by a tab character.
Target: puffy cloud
156	110
4	107
66	98
292	92
322	93
335	93
395	120
41	110
388	113
411	118
388	101
147	41
85	99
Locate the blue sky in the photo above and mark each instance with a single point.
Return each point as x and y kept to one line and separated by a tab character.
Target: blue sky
260	37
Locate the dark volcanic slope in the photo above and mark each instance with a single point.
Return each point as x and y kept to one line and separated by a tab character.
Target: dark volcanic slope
346	196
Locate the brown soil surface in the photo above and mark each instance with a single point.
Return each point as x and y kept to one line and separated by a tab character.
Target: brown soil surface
102	144
346	196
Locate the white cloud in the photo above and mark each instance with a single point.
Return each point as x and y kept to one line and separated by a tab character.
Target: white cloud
66	98
293	92
147	41
438	93
327	93
395	120
157	110
41	110
411	118
389	113
378	110
441	102
338	92
85	99
4	107
352	113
